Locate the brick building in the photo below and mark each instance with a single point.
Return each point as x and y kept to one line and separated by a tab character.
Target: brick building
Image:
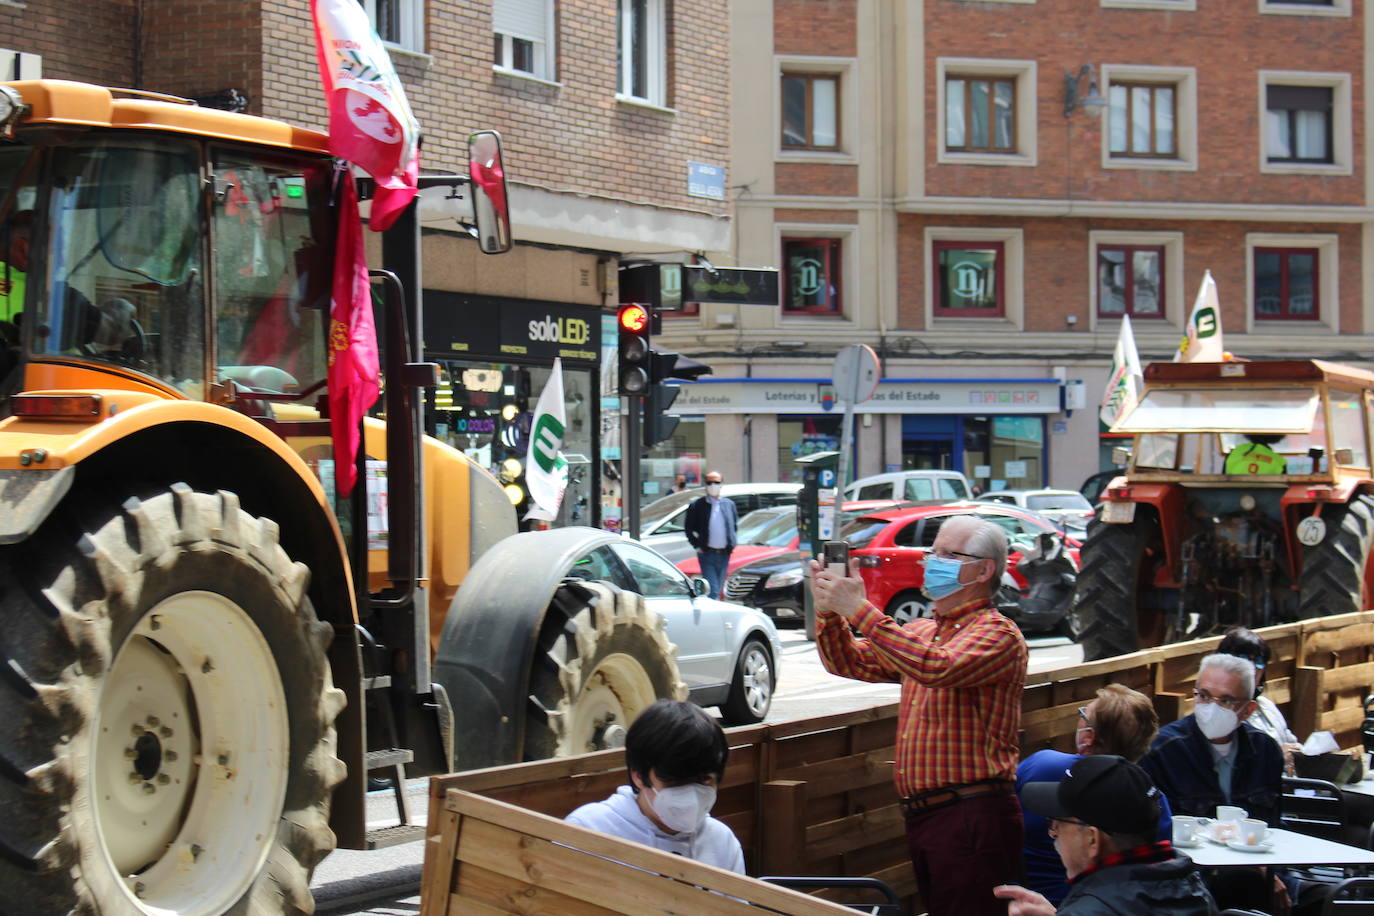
603	104
914	169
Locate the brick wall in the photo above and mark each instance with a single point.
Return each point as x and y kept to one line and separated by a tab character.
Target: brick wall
820	27
816	178
89	40
1227	45
1057	271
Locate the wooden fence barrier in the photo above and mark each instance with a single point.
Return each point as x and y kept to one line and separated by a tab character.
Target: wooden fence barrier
815	797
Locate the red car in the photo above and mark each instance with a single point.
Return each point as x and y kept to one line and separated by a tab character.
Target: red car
896	541
770	532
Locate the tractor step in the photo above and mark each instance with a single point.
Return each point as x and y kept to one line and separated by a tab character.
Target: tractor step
394	835
388	757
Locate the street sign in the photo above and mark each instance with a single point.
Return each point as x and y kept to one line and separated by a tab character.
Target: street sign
826	479
855	373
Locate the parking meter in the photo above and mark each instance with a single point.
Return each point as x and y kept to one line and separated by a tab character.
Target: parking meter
818	474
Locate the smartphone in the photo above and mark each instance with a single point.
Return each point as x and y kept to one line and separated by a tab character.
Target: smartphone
835	555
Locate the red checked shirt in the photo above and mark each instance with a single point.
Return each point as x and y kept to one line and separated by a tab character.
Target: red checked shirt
961	674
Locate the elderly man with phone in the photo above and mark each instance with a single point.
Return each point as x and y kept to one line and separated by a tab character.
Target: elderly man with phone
962	673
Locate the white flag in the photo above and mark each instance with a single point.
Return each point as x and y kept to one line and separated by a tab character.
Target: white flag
546	471
1202	339
1124	382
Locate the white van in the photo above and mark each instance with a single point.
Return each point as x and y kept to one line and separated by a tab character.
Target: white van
911	487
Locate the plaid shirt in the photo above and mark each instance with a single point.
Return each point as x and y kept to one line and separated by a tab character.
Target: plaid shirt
961	674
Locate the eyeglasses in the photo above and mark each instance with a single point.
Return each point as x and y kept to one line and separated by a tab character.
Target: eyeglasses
1227	702
951	554
1057	822
1083	714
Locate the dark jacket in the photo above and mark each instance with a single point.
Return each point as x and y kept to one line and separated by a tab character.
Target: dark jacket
1172	888
698	521
1180	762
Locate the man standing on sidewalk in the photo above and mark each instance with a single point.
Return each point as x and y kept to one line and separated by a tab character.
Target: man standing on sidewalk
962	674
710	529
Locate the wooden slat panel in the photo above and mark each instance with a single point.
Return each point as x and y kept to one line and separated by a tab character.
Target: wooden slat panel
1349	676
862	829
481	890
1308	700
839	774
783	844
436	875
1341	720
1335	640
550	853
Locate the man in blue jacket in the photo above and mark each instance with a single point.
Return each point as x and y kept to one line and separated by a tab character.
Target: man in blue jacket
710	529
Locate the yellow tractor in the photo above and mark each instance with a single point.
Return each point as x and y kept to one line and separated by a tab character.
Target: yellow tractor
205	650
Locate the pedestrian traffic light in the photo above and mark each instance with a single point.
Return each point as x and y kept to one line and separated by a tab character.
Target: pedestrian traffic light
633	360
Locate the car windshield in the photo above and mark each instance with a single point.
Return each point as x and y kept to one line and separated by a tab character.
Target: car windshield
861	531
768	527
660	509
1044	501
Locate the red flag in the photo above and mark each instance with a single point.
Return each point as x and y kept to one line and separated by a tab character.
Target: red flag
370	122
353	368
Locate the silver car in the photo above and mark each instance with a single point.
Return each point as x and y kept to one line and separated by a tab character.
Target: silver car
727	653
662	522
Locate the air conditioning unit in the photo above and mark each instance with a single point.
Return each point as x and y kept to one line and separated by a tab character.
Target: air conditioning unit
20	65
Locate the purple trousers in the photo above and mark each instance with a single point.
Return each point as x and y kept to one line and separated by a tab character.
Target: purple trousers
962	851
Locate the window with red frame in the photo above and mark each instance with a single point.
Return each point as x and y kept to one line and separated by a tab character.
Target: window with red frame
1286	284
812	277
969	279
1130	281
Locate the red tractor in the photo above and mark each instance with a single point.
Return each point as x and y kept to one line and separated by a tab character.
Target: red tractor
1247	500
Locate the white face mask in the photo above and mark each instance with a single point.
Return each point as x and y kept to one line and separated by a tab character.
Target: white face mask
1215	720
684	808
713	489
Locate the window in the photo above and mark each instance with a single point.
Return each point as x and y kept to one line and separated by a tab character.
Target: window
987	113
523	37
1286	283
1298	123
812	276
810	111
969	279
1305	7
640	27
398	22
980	114
1143	118
1130	281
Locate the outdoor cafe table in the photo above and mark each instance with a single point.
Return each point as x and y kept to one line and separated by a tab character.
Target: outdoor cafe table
1289	849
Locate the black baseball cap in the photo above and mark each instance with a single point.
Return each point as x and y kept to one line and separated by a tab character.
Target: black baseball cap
1103	791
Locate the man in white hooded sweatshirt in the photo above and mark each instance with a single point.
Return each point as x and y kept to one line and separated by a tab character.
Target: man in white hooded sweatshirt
675	754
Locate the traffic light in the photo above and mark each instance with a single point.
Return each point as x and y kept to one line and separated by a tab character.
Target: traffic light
660	395
633	360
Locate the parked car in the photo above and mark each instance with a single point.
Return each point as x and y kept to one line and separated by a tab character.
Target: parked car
911	486
761	534
894	544
727	653
661	522
1069	508
1094	485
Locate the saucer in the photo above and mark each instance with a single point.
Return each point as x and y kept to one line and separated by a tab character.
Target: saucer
1191	844
1242	846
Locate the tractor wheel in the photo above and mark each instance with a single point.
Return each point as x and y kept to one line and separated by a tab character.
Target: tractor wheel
1116	570
908	606
1336	574
751	689
603	657
169	745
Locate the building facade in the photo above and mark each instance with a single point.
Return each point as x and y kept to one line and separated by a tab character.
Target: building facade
931	182
611	112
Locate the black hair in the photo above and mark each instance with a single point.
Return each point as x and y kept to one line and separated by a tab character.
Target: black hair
1248	645
681	742
1264	439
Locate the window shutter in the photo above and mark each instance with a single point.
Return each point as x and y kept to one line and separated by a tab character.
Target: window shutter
1298	98
526	19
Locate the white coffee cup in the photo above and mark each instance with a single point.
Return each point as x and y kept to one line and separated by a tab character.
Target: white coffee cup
1231	814
1252	831
1185	829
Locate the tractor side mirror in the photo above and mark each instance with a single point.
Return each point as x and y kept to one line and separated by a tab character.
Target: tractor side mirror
1121	456
490	205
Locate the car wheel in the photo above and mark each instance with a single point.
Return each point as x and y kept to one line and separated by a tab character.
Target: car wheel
908	606
751	690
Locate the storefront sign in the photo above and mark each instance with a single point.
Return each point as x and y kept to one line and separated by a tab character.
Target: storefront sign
495	328
784	396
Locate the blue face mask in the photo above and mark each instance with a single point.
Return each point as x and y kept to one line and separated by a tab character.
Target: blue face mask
942	576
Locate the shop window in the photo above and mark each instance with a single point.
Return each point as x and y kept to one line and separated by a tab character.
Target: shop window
802	436
813	277
1286	284
811	111
1010	449
969	279
524	37
1130	281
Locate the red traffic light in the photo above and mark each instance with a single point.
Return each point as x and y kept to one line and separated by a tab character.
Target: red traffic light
634	318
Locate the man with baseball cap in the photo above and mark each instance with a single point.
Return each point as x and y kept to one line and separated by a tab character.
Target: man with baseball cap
1104	817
